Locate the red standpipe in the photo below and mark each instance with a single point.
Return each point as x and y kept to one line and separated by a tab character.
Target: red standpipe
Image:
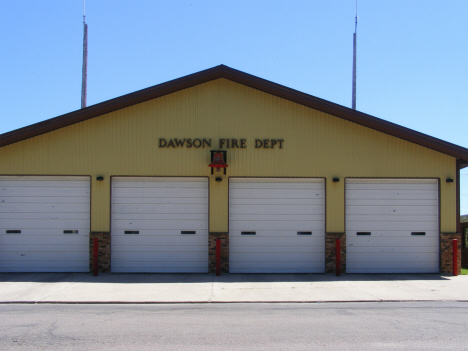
455	256
218	257
338	257
95	256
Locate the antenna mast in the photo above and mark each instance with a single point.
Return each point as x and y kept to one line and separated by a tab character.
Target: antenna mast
85	60
354	60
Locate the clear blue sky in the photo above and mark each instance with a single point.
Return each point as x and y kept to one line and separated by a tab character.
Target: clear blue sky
412	54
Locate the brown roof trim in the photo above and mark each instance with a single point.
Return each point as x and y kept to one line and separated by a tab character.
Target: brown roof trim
245	79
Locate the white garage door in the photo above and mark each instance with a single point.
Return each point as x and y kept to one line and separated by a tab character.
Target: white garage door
276	225
44	224
159	225
392	226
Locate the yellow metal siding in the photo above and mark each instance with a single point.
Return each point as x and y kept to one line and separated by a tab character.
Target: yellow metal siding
125	142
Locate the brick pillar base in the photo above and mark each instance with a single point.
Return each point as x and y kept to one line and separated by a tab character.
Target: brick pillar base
224	252
330	252
446	250
104	262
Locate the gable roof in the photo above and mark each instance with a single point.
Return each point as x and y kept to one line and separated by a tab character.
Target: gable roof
249	80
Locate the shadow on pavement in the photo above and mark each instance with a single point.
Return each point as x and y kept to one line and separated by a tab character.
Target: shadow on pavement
145	278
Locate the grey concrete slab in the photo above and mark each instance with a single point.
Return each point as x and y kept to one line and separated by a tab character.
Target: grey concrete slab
177	288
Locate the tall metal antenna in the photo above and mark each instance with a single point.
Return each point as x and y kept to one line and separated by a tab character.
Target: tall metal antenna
354	60
85	60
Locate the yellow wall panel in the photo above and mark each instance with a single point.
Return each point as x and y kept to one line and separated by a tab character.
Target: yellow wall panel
316	144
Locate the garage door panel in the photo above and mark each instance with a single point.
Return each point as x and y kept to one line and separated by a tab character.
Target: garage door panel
418	190
271	183
159	182
176	225
277	225
276	210
390	249
46	253
392	210
271	249
45	247
51	181
274	266
393	218
401	195
278	240
280	217
185	247
288	235
392	233
421	262
155	265
16	210
407	256
158	192
381	241
303	202
278	194
39	224
165	256
40	191
41	266
395	183
46	234
423	267
274	257
390	226
152	239
381	202
145	242
163	201
391	193
137	193
170	268
25	201
42	208
282	193
156	217
169	182
159	209
34	239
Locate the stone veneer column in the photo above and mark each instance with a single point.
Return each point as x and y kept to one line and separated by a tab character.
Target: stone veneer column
446	250
104	255
224	252
330	252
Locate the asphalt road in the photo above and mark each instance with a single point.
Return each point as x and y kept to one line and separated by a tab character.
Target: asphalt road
302	326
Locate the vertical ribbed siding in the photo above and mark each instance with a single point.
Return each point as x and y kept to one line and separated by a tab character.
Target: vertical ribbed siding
125	142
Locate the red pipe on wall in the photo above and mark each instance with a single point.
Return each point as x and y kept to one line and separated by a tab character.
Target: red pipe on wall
218	257
95	256
338	257
455	257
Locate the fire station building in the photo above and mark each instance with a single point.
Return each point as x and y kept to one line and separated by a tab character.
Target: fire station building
277	175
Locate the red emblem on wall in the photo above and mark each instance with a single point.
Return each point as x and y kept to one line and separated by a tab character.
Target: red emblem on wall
218	161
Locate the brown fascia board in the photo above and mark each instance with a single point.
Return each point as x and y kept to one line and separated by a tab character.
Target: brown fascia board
240	77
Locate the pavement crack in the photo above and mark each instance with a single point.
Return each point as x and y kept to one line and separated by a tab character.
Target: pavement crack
212	290
365	291
55	291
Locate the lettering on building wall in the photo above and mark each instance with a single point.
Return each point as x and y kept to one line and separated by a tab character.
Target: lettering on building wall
232	143
268	143
222	143
188	143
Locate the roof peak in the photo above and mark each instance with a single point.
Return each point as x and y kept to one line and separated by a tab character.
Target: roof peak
223	71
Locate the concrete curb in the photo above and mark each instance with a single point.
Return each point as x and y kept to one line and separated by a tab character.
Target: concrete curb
205	302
